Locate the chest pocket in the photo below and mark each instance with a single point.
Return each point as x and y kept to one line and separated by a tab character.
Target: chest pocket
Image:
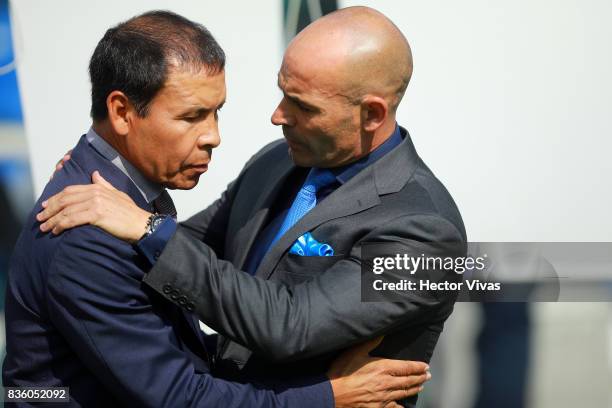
294	269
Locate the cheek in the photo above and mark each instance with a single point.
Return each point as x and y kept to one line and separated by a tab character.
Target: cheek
174	143
143	145
345	131
328	137
187	152
316	130
178	156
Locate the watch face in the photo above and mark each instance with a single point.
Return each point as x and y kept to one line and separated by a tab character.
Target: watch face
157	221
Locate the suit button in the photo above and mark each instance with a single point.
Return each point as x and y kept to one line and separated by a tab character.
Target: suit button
182	300
174	294
190	306
167	288
156	255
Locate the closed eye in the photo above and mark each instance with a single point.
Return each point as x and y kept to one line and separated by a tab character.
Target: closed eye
304	108
200	114
195	116
300	104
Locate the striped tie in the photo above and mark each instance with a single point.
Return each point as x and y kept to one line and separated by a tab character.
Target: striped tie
164	205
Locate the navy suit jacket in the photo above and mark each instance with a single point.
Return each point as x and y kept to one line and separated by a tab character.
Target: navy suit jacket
77	315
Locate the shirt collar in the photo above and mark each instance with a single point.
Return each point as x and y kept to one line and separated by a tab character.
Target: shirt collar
345	173
149	190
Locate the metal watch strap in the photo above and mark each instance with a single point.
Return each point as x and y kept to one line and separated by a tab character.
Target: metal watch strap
152	223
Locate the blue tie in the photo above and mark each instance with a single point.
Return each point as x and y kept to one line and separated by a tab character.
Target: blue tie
306	199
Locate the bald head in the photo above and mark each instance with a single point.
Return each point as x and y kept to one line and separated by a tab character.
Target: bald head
353	52
342	79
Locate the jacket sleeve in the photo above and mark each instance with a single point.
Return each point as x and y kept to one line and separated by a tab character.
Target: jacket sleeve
325	314
210	224
96	299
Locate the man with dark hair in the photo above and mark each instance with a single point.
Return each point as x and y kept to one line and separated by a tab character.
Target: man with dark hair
78	315
135	57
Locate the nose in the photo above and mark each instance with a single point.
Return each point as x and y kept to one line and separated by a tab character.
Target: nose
281	115
210	138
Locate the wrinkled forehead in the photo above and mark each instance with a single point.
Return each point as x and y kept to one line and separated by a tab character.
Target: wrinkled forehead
316	70
194	87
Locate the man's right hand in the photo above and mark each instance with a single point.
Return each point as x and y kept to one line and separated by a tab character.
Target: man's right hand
359	380
98	204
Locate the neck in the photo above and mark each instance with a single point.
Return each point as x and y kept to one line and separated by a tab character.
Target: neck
374	139
383	133
106	132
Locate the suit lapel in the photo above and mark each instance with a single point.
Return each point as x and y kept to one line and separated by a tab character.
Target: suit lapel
261	209
363	191
89	159
357	195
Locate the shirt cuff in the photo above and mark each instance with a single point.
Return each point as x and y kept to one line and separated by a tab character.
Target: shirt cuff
314	392
153	245
324	393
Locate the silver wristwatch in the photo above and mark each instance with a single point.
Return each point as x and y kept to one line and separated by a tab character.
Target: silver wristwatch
153	222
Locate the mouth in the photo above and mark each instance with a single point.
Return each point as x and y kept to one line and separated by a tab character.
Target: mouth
292	143
199	168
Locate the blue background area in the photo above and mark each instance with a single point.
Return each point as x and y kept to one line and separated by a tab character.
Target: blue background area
10	106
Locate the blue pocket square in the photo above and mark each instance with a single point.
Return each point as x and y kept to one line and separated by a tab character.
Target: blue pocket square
306	245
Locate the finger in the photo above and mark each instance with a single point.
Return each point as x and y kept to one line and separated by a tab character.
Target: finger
401	394
58	167
392	404
74	220
60	164
402	383
62	201
92	189
402	368
76	188
78	214
97	178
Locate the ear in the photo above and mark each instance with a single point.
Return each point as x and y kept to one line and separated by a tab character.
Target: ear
120	111
374	111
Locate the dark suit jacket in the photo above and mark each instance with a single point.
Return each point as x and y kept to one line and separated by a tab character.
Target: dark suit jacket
309	307
77	315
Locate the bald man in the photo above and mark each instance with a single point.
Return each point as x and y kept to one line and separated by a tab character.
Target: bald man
275	263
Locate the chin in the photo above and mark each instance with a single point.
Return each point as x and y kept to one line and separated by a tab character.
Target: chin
301	160
183	184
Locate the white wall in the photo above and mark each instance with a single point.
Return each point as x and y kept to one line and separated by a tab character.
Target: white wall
510	104
55	39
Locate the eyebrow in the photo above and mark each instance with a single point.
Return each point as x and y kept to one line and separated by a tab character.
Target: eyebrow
201	110
295	99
